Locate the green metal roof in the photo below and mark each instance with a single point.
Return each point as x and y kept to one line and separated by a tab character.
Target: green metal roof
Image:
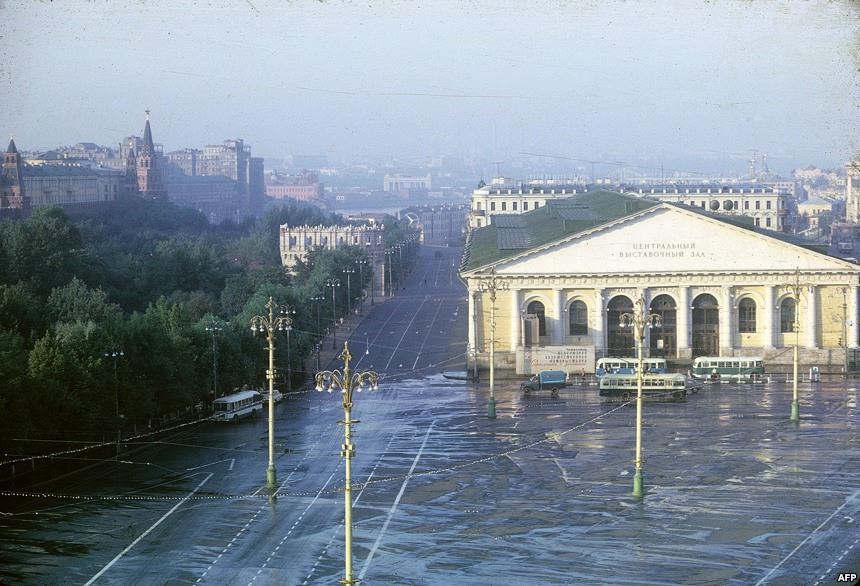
565	217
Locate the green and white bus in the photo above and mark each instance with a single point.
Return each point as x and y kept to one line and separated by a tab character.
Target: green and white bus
654	386
238	405
718	368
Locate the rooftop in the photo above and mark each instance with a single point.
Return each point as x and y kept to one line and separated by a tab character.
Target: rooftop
510	235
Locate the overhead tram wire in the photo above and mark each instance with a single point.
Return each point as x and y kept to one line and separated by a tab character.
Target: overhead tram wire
336	490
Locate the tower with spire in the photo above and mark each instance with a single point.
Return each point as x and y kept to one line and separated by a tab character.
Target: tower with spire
149	180
13	200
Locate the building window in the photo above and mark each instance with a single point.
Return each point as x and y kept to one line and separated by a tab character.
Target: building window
478	206
525	206
767	205
492	206
758	221
767	222
479	223
504	206
787	311
578	317
514	206
746	316
758	204
703	204
536	309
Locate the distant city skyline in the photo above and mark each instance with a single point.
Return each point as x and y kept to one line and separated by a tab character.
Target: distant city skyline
644	83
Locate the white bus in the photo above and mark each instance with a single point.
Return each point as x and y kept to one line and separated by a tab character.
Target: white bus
655	386
628	365
238	405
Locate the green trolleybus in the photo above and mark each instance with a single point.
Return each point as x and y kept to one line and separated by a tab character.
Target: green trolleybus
740	368
655	386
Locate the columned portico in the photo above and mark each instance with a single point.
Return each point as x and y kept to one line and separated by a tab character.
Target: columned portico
726	301
684	350
853	341
516	319
557	318
811	325
721	290
769	317
599	321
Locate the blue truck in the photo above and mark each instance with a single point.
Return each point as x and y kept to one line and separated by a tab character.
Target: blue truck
545	380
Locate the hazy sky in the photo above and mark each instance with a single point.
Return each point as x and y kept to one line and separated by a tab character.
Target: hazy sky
634	80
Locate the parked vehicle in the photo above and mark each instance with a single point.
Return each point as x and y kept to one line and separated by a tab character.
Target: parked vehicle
717	368
656	386
238	405
628	365
551	380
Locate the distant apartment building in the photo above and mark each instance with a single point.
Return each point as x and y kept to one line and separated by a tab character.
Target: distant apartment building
305	186
181	162
768	206
297	242
214	197
407	185
440	225
507	196
223	181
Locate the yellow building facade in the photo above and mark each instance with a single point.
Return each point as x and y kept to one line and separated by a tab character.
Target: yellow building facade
721	289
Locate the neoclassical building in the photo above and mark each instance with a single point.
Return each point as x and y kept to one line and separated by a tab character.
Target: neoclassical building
297	241
565	273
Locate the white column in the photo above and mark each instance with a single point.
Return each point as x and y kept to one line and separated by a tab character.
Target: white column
598	322
769	316
726	325
852	317
645	294
516	321
472	333
558	319
811	325
682	317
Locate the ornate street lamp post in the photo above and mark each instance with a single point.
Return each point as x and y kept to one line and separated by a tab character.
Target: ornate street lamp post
115	354
795	290
270	324
333	283
348	273
318	299
369	263
390	282
400	272
289	311
639	320
361	263
346	381
213	328
490	286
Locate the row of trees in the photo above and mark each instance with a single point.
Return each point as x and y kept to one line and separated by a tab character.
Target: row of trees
108	322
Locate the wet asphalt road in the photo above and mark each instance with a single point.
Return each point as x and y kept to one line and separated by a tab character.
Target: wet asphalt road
735	493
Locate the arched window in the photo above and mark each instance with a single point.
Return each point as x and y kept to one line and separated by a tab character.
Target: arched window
787	313
746	316
536	309
578	316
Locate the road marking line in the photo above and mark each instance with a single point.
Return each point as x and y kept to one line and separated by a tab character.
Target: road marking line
424	341
406	331
808	537
148	531
391	511
231	460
